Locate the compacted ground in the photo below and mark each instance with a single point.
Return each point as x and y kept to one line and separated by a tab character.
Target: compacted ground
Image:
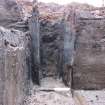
79	97
92	97
50	97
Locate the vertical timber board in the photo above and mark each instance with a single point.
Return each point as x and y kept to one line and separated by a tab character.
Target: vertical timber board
34	30
69	41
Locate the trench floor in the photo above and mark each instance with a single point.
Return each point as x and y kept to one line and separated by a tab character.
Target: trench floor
79	97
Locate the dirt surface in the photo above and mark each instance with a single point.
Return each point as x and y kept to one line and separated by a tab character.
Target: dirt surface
79	97
92	97
49	98
52	98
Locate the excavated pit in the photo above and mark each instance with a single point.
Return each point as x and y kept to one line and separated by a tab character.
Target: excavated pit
71	54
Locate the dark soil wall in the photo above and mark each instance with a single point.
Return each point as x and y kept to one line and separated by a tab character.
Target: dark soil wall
89	66
51	47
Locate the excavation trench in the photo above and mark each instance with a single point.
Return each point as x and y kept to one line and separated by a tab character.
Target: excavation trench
68	52
55	59
44	56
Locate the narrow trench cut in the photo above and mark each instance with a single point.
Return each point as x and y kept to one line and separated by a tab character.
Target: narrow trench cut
54	52
51	54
